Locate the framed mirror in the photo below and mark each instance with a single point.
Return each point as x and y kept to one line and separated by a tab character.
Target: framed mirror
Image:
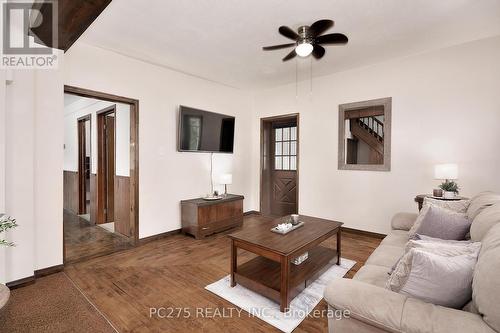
365	135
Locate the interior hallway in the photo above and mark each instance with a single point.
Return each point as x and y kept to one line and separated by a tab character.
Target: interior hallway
84	240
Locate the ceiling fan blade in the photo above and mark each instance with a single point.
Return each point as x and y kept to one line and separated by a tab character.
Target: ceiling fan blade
332	39
290	55
318	51
288	33
277	47
319	27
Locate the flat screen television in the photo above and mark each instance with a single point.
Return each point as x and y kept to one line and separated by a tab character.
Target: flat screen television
203	131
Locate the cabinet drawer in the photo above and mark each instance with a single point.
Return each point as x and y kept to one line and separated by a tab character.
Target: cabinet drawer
217	226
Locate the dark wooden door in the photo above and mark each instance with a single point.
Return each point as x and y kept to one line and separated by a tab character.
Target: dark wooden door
106	161
284	198
280	154
110	167
83	165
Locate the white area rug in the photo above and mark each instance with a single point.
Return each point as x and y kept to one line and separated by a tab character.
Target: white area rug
269	311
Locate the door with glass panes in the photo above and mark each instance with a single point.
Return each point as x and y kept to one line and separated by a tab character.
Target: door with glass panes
284	168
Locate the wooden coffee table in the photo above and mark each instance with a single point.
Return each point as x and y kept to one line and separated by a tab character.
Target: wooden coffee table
272	274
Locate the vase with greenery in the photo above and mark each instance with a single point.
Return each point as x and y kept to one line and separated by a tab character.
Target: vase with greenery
450	188
6	223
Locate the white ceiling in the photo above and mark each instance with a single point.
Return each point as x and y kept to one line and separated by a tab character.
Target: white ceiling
74	103
70	99
221	40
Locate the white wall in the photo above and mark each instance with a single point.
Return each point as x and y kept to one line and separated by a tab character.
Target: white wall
32	165
48	160
165	175
2	164
83	107
446	108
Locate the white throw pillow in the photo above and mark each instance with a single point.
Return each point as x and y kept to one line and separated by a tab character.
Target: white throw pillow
440	280
458	206
444	247
436	272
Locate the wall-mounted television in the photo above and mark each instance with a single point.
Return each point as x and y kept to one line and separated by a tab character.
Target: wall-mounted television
203	131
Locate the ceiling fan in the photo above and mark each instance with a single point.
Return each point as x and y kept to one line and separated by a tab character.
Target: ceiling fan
308	39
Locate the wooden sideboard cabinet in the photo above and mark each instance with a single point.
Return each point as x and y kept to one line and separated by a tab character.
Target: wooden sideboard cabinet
201	218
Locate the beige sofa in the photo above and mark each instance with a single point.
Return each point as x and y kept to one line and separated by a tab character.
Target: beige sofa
373	308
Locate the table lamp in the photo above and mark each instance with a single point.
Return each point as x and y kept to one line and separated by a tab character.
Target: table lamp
448	173
226	179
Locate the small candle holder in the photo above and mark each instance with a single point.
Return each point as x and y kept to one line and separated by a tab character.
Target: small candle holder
437	192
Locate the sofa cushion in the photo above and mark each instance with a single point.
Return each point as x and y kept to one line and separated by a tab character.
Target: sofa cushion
372	274
385	255
396	238
480	202
444	223
486	283
484	221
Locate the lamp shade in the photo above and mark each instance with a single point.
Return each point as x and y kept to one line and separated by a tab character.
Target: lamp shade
446	171
226	179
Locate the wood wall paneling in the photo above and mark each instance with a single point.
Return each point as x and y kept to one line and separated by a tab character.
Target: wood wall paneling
93	198
70	200
123	223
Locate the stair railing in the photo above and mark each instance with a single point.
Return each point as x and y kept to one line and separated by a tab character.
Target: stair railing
374	125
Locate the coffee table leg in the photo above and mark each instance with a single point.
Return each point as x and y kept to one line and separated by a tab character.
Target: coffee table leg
234	262
285	276
339	245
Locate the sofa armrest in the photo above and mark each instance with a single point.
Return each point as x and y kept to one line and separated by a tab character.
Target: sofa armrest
403	221
370	304
420	317
394	312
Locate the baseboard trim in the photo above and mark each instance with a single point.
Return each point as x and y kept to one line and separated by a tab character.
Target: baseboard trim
149	239
251	212
364	233
48	271
32	279
21	282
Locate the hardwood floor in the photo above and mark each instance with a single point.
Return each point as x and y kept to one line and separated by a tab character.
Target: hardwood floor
172	272
84	240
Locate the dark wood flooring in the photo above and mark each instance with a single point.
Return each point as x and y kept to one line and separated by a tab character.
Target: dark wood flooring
172	272
84	240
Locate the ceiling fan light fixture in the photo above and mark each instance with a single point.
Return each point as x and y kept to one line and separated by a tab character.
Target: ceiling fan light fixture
304	49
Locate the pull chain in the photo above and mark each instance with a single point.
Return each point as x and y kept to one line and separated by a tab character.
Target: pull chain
311	75
296	78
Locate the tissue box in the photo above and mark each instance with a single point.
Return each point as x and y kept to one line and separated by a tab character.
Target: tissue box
300	259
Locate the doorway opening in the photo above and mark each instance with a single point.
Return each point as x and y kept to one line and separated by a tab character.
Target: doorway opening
100	174
279	165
